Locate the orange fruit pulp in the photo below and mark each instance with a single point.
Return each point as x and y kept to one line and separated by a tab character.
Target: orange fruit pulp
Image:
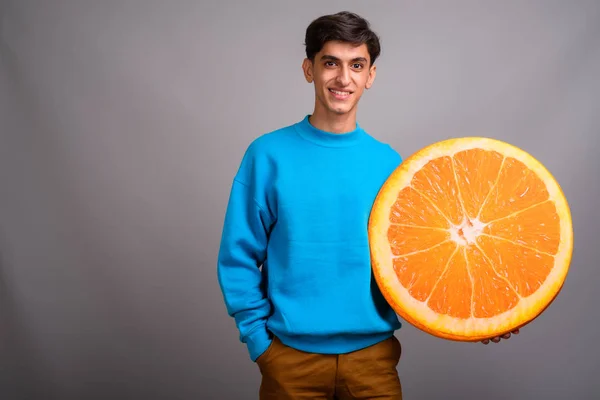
470	238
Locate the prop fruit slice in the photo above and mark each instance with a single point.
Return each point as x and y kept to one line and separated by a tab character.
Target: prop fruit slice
470	238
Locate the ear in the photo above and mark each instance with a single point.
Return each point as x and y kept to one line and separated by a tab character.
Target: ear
371	78
307	67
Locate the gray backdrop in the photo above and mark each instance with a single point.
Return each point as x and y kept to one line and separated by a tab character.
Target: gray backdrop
123	123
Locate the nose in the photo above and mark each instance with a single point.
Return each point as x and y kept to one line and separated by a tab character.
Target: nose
343	76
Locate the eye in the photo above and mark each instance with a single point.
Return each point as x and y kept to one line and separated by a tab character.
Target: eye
357	66
329	63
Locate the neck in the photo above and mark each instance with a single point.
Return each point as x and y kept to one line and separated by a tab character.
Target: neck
335	123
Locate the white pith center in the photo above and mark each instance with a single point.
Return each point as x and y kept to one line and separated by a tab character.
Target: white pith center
467	232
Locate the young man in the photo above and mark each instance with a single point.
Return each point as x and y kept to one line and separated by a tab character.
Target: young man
312	317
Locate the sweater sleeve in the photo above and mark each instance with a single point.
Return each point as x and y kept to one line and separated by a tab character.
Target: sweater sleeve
242	252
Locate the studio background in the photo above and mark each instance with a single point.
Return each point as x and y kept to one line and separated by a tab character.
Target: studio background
123	123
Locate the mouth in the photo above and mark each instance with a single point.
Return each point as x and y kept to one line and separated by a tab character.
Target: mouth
340	94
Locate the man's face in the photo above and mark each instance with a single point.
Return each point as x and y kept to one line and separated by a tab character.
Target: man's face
340	73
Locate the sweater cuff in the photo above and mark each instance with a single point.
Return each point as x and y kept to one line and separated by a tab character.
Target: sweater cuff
258	342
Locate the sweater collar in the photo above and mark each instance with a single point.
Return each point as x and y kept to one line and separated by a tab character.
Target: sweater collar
328	139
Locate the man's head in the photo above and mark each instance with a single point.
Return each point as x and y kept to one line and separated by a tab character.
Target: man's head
341	50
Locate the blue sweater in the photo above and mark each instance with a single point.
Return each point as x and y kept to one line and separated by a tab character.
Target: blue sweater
294	259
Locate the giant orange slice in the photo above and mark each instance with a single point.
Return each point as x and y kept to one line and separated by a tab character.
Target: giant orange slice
470	238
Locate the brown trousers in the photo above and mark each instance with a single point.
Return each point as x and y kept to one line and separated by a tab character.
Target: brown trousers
369	373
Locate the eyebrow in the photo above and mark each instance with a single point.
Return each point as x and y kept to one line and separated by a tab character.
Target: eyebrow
333	58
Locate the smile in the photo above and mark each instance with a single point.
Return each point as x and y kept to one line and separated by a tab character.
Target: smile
339	94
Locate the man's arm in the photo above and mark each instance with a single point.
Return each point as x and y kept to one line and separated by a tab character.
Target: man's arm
242	252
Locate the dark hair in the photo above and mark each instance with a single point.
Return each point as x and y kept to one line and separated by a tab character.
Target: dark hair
343	26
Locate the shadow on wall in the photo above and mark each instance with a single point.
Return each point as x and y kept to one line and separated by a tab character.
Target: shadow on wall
19	378
15	358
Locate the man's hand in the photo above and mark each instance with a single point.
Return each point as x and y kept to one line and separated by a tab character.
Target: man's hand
497	338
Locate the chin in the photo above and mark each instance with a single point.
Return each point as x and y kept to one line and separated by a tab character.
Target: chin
340	108
341	112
